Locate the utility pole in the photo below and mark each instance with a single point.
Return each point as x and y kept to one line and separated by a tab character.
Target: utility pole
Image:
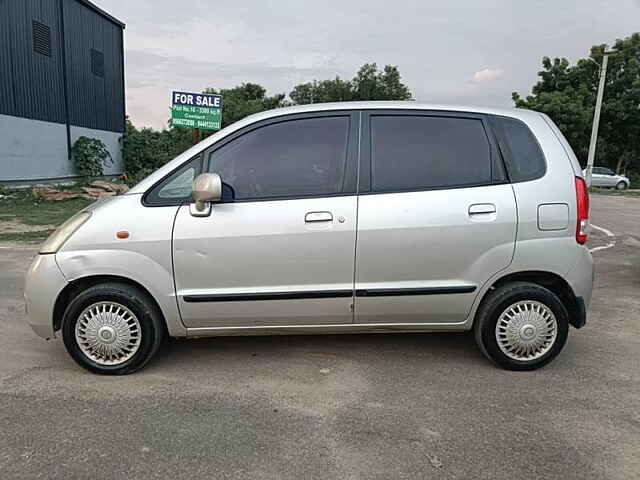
596	114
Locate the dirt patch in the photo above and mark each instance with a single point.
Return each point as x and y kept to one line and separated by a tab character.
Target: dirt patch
17	227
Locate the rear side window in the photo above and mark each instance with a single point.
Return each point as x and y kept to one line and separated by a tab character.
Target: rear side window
295	158
412	152
521	150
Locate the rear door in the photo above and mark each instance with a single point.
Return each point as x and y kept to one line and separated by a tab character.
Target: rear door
281	252
436	216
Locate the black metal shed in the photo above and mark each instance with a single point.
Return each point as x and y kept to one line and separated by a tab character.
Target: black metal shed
62	61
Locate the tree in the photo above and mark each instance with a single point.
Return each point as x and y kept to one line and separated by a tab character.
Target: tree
244	100
567	94
368	84
336	90
145	150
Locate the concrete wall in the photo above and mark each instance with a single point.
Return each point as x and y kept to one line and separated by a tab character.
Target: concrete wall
32	150
111	141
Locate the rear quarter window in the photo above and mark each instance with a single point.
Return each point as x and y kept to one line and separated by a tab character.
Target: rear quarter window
522	153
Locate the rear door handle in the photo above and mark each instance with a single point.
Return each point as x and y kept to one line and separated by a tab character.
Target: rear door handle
482	208
318	217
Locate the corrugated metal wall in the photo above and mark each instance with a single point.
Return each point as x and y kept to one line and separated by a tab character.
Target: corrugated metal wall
94	101
31	84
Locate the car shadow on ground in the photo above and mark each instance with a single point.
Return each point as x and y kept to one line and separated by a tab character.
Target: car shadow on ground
434	347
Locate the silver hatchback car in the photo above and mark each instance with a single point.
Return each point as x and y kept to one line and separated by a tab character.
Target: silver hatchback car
605	177
334	218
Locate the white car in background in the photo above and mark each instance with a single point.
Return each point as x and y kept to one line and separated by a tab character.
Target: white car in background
604	177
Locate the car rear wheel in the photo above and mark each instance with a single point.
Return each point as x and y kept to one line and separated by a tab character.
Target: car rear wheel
521	326
112	328
621	185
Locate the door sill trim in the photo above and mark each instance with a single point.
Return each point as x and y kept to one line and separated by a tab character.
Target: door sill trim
326	329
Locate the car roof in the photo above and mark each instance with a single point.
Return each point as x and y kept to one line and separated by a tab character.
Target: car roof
141	187
391	105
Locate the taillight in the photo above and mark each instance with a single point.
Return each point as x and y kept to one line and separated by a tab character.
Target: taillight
582	203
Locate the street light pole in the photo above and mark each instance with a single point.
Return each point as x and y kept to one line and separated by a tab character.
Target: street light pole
596	115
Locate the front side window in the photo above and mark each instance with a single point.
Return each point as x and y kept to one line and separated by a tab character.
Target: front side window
294	158
176	188
413	152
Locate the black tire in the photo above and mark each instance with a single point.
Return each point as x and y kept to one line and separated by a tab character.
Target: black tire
499	300
621	185
152	328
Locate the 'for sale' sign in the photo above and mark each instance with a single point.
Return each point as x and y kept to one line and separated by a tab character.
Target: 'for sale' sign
196	110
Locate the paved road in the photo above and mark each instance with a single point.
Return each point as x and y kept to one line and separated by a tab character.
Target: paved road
368	406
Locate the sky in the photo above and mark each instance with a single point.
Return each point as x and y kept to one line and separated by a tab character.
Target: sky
454	51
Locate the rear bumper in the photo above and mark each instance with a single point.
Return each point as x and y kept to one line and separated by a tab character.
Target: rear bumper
43	284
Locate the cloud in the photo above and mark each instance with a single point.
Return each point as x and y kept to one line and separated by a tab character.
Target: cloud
282	43
487	75
152	76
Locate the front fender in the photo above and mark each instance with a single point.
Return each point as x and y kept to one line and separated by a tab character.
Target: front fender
143	256
135	266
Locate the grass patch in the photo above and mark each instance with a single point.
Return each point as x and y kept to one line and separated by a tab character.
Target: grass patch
22	207
614	193
25	236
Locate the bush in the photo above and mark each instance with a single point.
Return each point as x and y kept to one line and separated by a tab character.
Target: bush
634	178
146	150
90	156
133	178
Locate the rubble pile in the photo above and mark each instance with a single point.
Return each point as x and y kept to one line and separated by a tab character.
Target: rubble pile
95	190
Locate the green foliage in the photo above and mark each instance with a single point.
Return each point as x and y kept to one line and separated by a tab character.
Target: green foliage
23	207
90	156
368	84
634	178
336	90
568	93
244	100
146	150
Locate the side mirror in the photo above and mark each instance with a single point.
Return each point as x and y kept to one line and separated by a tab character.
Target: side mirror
207	188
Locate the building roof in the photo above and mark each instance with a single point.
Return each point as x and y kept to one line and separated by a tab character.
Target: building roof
101	12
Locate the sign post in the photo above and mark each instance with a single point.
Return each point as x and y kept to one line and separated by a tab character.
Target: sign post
200	111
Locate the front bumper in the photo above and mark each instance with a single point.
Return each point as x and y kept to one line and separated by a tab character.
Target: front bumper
43	284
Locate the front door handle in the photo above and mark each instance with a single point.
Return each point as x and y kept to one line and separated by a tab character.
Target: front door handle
482	208
318	217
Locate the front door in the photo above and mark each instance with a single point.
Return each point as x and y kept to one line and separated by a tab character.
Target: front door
598	178
435	219
281	252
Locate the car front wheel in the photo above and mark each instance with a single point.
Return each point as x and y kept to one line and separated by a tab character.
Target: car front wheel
112	329
521	326
621	186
